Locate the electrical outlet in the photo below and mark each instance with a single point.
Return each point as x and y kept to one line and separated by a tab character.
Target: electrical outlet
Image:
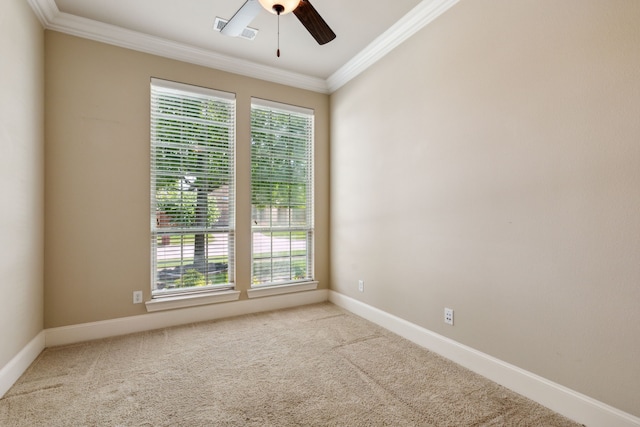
137	297
448	316
361	285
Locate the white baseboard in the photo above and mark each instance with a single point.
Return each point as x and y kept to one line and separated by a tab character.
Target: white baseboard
157	320
10	373
556	397
571	404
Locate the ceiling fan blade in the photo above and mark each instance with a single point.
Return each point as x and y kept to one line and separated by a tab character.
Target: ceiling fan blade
242	18
313	22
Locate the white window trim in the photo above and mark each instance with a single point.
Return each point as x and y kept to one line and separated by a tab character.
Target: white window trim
279	106
191	300
261	290
270	290
183	87
217	294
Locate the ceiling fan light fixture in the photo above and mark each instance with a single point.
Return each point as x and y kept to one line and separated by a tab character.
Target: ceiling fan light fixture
287	6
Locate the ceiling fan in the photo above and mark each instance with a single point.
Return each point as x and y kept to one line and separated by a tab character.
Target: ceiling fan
304	11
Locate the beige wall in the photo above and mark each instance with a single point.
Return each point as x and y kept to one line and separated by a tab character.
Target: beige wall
97	174
491	164
21	177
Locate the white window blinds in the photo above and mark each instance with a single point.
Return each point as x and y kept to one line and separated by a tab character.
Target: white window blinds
281	193
192	188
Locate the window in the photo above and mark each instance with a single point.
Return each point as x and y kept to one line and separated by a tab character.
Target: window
281	193
192	188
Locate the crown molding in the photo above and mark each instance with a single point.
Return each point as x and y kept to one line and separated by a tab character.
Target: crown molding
44	10
52	19
419	17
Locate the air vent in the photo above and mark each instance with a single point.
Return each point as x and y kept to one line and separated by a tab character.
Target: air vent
248	33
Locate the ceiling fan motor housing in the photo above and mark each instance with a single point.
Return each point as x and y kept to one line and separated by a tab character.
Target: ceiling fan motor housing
302	9
280	7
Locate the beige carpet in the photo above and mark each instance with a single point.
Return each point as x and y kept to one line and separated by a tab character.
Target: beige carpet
309	366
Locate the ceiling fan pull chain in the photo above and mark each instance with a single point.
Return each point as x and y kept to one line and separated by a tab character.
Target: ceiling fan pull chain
278	52
278	8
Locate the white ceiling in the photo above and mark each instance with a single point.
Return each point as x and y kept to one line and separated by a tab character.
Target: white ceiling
183	29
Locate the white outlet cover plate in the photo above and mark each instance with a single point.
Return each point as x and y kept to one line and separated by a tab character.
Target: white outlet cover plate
137	297
448	316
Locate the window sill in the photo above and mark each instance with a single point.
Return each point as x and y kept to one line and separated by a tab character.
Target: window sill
267	291
183	301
